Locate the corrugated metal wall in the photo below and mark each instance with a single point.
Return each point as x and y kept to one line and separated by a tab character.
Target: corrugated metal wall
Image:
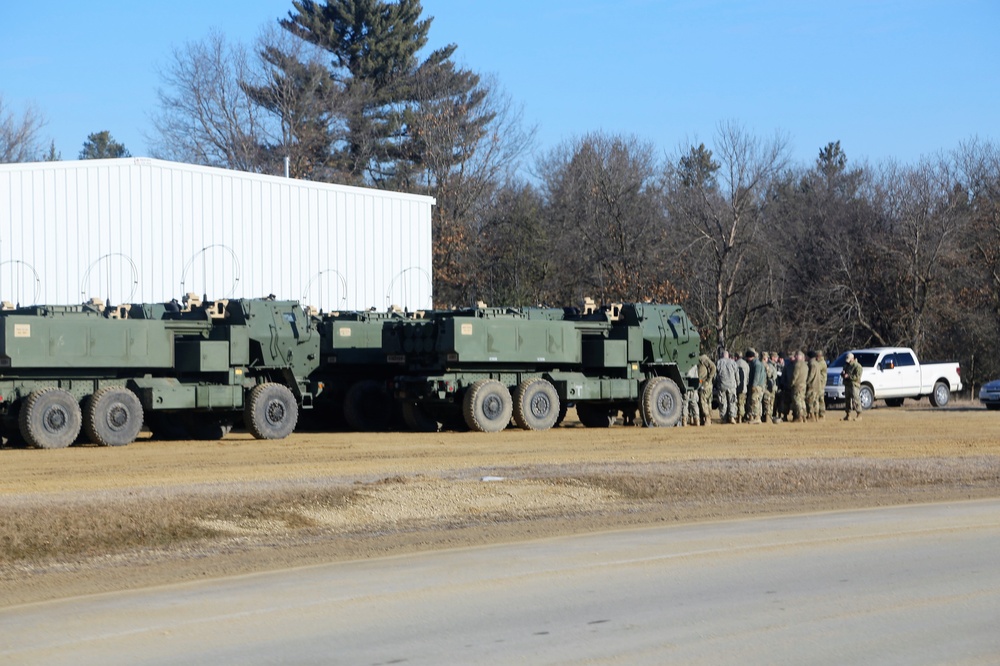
144	230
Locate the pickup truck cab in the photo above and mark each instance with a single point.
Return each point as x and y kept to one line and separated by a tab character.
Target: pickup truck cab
894	374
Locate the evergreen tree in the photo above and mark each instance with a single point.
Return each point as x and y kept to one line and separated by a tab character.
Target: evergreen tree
392	99
52	155
100	145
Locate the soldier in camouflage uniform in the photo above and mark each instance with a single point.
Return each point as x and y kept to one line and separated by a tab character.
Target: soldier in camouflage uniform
821	385
706	377
800	377
757	382
689	411
767	401
728	375
816	386
851	376
742	376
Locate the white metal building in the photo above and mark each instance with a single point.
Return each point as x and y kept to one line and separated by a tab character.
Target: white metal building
143	230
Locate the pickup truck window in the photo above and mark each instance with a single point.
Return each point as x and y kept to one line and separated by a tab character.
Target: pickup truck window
866	359
905	358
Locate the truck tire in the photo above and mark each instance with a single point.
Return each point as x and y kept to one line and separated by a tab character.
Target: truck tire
417	419
596	415
166	427
367	406
205	427
536	404
112	417
271	412
660	403
940	395
866	396
487	406
563	408
50	418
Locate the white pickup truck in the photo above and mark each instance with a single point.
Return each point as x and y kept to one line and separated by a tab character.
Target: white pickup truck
893	374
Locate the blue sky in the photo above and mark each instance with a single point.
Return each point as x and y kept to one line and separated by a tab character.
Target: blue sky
889	79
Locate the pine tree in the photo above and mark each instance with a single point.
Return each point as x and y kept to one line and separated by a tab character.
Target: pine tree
100	145
392	99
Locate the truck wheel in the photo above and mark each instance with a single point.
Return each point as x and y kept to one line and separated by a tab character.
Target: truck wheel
536	405
205	427
660	403
596	416
940	395
563	408
166	427
113	416
417	419
271	412
866	396
487	406
50	418
367	406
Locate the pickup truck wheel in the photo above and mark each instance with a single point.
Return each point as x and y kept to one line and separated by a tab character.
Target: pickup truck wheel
660	403
271	412
50	418
536	404
487	406
867	396
940	395
894	402
113	416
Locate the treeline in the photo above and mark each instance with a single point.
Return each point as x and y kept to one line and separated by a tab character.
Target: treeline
761	251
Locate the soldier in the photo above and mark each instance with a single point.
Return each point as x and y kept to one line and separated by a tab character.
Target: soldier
785	389
770	374
757	382
776	363
851	375
800	378
689	410
706	378
811	414
742	375
821	385
728	375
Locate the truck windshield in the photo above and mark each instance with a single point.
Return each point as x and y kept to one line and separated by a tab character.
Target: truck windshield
866	359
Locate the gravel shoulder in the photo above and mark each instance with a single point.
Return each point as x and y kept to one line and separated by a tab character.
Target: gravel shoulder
85	520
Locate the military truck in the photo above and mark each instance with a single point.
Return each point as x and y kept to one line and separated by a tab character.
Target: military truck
356	370
485	367
97	373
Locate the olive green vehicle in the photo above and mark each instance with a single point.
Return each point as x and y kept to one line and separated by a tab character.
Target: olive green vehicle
487	367
94	373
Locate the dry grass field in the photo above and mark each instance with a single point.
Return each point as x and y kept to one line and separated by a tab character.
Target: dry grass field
88	519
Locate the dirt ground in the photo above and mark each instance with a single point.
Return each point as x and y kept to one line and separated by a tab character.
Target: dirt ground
88	519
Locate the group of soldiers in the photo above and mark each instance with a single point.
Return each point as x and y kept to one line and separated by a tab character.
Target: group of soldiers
758	388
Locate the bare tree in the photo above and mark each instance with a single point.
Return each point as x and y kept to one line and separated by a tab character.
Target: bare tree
20	139
605	213
468	153
723	207
205	115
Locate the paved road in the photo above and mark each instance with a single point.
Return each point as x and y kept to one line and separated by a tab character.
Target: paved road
907	585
